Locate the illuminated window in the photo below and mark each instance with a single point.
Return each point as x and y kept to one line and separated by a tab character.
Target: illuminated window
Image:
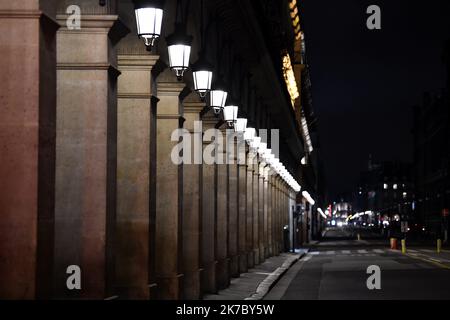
306	135
395	186
289	77
293	4
294	13
385	186
295	18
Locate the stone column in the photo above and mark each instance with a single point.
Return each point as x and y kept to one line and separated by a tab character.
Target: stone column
262	164
223	261
233	207
169	188
27	148
86	154
256	196
276	231
242	218
266	212
310	222
286	208
307	220
192	200
209	217
269	214
279	217
283	206
136	137
249	207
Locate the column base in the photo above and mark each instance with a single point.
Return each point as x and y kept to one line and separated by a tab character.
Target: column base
170	288
234	266
250	260
267	252
262	256
256	258
223	273
275	250
133	292
208	278
243	268
191	285
153	288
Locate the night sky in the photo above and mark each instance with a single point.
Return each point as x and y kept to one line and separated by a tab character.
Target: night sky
366	81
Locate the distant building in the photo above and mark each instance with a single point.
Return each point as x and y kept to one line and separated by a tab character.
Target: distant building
386	188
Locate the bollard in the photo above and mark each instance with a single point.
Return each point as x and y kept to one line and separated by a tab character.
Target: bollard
439	245
403	246
358	237
393	243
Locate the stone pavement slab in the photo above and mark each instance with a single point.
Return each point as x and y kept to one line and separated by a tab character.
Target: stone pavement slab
255	284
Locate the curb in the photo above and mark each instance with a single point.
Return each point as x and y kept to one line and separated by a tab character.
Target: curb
272	279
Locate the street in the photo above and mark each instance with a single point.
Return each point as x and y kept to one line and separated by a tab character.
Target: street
336	269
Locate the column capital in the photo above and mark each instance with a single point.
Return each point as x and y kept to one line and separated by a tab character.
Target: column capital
100	21
222	126
250	162
209	119
278	181
75	47
192	113
242	165
31	14
137	61
136	81
170	88
266	170
261	170
193	107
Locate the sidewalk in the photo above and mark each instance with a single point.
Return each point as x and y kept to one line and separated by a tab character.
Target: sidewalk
442	259
255	284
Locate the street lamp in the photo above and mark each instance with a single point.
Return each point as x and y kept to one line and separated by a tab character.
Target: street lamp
202	75
241	125
274	163
254	144
308	197
218	96
202	70
149	15
249	134
262	149
230	113
179	46
268	155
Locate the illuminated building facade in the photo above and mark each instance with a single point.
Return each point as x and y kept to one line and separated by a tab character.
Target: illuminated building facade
86	173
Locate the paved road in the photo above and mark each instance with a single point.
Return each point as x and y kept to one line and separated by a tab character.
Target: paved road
337	270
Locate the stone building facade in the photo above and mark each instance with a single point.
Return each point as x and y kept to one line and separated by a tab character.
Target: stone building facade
86	174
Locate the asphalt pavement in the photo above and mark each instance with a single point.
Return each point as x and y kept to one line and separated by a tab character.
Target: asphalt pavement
336	269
